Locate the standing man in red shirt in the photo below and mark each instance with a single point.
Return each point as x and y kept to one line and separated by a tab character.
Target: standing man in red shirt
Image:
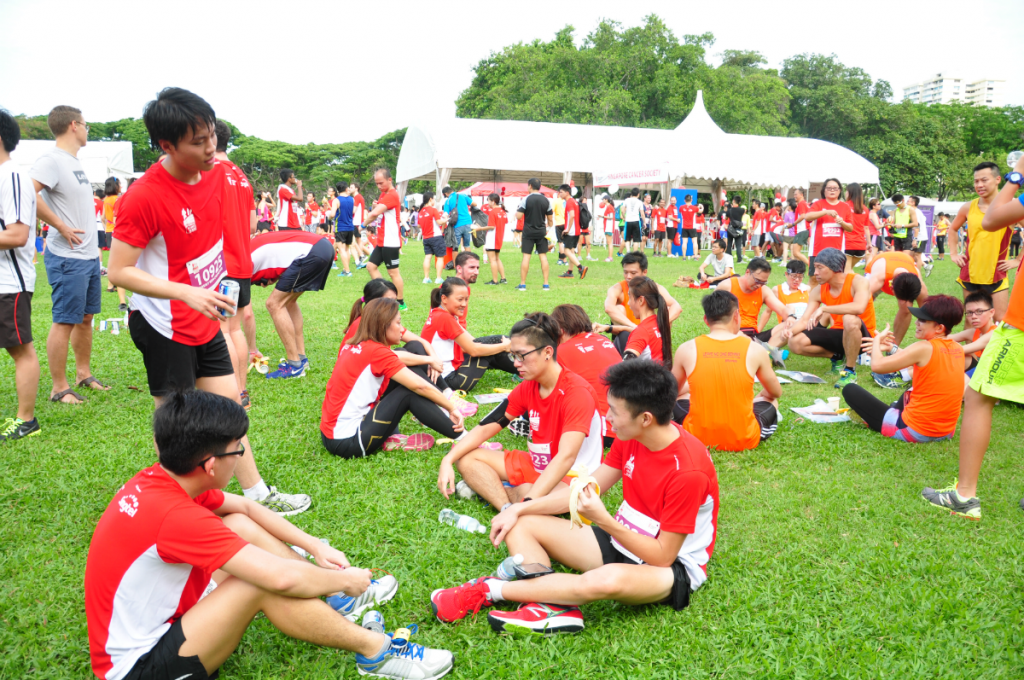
802	234
688	213
168	249
432	228
288	201
389	240
312	214
360	243
571	233
239	227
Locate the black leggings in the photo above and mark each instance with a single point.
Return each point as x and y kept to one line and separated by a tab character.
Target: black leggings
466	376
416	347
871	409
1014	247
620	341
940	243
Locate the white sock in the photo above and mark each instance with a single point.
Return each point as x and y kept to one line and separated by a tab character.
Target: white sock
258	492
495	584
505	507
448	393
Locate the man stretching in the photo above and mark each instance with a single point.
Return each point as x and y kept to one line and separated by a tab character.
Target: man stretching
656	547
177	569
752	293
847	299
896	274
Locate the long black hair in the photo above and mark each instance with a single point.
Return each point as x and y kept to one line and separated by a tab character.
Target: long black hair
646	288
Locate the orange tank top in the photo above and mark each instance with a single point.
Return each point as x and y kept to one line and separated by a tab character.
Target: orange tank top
845	296
795	296
934	405
624	285
893	261
750	303
721	406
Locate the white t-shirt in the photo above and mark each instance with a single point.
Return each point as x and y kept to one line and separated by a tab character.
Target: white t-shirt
922	225
719	266
17	204
632	207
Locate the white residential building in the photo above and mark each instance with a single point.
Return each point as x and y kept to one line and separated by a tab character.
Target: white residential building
944	88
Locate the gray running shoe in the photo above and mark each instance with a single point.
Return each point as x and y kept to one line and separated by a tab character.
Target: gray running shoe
775	353
286	504
948	499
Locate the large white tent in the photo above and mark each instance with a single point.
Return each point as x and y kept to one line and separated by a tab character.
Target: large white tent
100	160
697	154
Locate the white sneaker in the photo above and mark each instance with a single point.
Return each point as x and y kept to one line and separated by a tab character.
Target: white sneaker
426	280
380	591
438	280
286	504
406	660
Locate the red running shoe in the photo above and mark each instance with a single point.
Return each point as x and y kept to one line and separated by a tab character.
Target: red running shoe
453	604
535	617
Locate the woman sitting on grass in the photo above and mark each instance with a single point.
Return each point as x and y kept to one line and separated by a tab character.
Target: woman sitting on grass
361	411
930	409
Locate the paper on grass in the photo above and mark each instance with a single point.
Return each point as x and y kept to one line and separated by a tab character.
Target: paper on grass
782	381
811	413
802	377
490	398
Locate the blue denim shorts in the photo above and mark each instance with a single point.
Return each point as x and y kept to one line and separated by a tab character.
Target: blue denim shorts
465	235
77	289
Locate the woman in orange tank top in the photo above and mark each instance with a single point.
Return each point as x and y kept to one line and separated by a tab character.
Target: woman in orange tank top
929	410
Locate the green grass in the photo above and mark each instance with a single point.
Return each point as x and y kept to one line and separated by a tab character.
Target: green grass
828	564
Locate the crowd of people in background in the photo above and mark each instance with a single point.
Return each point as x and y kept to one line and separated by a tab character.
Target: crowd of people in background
599	402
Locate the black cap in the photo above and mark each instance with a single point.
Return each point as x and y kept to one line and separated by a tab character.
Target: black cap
922	315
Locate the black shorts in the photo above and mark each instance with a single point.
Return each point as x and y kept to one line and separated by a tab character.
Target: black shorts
764	336
831	339
900	244
570	242
855	253
264	226
678	599
15	319
989	288
529	243
689	233
389	256
309	272
559	232
633	232
244	291
434	246
355	232
878	242
659	236
163	662
919	246
671	233
344	237
174	366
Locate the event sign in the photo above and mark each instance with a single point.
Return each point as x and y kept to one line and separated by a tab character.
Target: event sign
655	175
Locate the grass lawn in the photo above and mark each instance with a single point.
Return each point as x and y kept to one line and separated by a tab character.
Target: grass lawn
828	564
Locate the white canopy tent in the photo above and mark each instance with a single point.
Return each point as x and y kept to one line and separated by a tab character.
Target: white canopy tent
697	154
99	159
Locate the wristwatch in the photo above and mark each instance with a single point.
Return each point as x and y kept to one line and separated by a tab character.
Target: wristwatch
1014	178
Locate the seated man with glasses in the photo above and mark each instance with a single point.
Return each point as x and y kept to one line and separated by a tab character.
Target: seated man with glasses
979	312
565	428
752	293
177	569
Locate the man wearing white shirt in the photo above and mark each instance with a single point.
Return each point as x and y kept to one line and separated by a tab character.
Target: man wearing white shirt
721	264
632	209
920	235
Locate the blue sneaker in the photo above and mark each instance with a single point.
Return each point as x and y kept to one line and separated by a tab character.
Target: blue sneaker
890	381
406	660
344	274
438	280
522	287
847	377
288	371
379	592
361	265
547	287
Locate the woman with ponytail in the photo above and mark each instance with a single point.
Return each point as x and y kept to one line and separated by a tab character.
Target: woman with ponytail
565	429
652	338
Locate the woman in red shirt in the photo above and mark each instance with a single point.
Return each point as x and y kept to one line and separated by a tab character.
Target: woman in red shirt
930	409
588	355
652	338
452	343
856	245
360	414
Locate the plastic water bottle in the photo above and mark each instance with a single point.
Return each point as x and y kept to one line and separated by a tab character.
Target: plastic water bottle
464	522
506	570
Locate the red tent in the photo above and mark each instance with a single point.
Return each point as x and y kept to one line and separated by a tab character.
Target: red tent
504	189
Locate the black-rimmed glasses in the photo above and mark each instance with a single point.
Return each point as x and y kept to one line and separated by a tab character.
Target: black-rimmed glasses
513	357
240	452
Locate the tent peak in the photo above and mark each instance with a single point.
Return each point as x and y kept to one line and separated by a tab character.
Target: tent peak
698	122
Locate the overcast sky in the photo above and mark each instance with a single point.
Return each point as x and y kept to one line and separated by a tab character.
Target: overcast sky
320	71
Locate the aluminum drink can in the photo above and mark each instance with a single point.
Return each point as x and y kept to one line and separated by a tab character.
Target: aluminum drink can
231	289
373	620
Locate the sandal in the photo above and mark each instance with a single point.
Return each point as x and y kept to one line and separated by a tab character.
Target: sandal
59	397
90	381
418	442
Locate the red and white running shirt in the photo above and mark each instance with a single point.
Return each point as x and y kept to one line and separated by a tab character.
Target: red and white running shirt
440	331
312	214
358	210
826	232
645	339
688	213
658	219
498	219
237	214
589	355
802	209
389	231
675	490
571	407
180	228
572	228
151	558
287	211
430	222
274	251
98	205
609	217
358	381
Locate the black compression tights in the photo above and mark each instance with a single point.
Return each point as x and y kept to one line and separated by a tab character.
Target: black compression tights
473	368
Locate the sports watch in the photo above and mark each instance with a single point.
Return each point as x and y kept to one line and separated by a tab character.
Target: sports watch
1014	178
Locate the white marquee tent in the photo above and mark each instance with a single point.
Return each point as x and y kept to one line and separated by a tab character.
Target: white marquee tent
99	159
697	155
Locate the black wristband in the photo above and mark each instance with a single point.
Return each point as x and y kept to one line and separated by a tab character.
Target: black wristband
526	499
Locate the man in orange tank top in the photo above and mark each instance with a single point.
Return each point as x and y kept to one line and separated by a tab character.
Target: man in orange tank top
998	376
752	293
716	377
616	303
847	299
979	313
882	272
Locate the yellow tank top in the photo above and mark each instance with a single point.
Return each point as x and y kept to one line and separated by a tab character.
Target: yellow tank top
984	249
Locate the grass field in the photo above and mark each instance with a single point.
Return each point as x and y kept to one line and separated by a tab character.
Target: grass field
828	564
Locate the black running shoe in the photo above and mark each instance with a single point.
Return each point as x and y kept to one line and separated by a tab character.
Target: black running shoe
16	428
